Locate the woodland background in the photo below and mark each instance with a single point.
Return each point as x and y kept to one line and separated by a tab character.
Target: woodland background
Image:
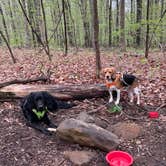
66	24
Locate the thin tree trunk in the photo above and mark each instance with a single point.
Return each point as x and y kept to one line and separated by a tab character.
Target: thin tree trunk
122	25
65	26
96	36
139	17
31	20
162	29
13	23
4	25
73	26
38	21
147	30
8	45
32	28
45	30
117	21
110	22
27	31
132	12
84	15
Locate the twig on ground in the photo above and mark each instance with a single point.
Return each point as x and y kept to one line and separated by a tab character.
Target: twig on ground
96	110
131	117
161	106
41	78
100	117
60	163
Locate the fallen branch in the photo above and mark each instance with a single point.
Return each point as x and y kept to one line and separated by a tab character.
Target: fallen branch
163	105
42	78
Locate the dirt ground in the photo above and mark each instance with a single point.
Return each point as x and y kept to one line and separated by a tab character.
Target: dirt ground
24	146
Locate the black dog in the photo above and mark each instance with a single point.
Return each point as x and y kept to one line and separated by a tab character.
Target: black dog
35	108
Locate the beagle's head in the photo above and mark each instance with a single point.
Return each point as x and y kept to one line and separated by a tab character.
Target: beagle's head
109	74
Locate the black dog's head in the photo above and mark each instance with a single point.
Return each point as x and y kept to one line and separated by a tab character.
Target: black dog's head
39	101
42	100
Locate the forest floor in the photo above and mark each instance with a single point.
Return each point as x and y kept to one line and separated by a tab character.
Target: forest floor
24	146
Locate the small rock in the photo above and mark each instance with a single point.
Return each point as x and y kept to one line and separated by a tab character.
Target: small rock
80	157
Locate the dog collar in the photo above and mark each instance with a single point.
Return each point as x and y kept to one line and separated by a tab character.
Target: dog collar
40	114
110	84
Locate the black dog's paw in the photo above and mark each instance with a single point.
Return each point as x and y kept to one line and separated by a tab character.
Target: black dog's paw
47	132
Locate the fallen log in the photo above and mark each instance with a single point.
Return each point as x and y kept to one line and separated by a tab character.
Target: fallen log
87	134
62	92
42	78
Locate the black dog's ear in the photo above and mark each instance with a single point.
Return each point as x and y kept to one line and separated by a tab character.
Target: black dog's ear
28	102
50	101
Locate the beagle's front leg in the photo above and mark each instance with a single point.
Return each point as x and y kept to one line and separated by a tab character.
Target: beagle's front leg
118	97
111	97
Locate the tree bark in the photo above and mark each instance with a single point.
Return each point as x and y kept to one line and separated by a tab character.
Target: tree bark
65	26
162	27
122	26
32	28
13	23
62	92
4	25
45	30
110	22
38	21
117	21
132	12
147	30
83	8
139	17
95	23
8	45
27	30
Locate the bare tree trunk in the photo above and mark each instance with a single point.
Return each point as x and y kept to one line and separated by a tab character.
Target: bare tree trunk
30	14
8	45
65	26
117	20
27	31
37	20
110	22
32	28
132	12
139	17
5	26
95	24
162	29
84	15
147	31
45	30
13	23
122	26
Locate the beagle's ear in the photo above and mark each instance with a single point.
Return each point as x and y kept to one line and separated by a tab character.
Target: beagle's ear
103	71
